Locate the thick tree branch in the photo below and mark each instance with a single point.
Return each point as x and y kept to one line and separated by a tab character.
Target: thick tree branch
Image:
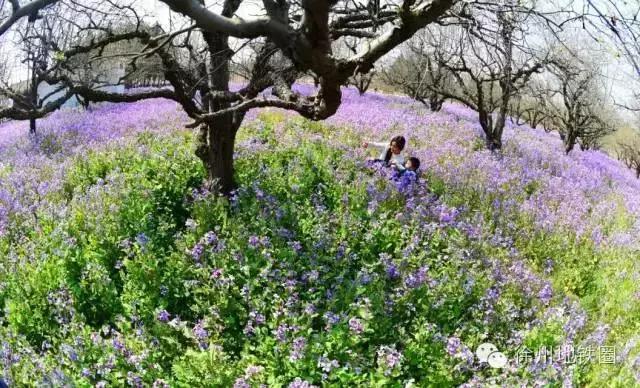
18	12
232	26
409	22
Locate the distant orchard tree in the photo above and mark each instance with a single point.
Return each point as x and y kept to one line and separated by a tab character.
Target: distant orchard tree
34	53
417	71
490	60
361	81
531	105
629	154
578	109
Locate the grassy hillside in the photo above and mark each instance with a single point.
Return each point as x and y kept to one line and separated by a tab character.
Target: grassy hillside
118	269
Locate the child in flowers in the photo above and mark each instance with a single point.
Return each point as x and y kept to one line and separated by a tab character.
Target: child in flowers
391	154
406	175
411	164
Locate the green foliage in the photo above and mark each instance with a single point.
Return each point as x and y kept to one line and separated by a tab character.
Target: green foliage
313	269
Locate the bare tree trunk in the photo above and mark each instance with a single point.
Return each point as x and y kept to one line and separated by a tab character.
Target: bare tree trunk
215	148
33	97
494	143
534	122
496	133
570	140
493	137
435	104
495	140
217	137
32	126
568	146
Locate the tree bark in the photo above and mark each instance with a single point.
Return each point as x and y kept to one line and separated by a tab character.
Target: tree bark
496	132
570	140
32	126
33	96
215	147
435	104
217	136
494	143
493	138
568	147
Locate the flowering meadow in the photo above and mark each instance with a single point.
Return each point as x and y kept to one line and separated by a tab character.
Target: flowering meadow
118	269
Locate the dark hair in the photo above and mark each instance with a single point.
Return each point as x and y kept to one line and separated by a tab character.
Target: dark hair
400	142
415	162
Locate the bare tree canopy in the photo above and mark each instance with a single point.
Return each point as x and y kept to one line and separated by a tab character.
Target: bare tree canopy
629	154
477	53
531	105
417	71
489	59
580	115
292	38
617	21
614	21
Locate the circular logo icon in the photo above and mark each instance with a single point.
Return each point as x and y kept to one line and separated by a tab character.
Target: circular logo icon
484	350
497	360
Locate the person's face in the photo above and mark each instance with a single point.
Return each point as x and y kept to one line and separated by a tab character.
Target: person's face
409	165
394	148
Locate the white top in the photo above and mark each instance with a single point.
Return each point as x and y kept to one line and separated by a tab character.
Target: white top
398	159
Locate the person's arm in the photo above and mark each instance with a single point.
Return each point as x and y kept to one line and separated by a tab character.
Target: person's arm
399	167
374	144
381	147
397	163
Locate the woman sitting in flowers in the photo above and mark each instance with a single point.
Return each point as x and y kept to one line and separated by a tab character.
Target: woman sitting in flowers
391	154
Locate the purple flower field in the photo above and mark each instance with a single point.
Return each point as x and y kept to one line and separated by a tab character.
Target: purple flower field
588	193
542	246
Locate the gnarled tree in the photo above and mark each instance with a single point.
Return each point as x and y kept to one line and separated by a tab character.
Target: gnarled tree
27	97
531	105
578	111
490	61
296	38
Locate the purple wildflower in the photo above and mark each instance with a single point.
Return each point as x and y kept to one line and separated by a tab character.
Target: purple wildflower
392	271
417	278
281	332
241	382
355	325
142	239
453	345
331	318
388	358
546	293
298	348
210	238
201	334
196	252
163	316
254	241
299	383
